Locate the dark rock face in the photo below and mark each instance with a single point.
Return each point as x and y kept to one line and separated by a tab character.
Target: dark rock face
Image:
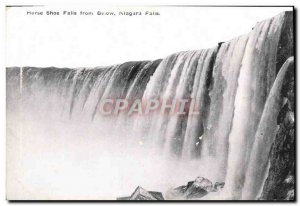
280	183
196	189
142	194
286	42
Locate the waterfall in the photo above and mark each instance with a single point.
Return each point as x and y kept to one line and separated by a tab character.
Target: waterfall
265	133
213	108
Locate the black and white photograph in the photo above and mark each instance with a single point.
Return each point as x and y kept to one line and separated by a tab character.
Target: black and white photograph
158	103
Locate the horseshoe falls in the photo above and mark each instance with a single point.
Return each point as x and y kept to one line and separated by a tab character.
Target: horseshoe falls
210	112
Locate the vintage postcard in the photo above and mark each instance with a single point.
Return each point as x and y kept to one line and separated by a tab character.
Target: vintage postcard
150	103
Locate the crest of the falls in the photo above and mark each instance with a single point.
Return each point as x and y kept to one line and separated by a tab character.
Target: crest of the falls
230	92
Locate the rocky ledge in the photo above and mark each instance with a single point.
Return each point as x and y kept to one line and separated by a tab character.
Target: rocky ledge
195	189
142	194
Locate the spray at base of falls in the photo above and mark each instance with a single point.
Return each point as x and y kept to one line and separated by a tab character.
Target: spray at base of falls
58	110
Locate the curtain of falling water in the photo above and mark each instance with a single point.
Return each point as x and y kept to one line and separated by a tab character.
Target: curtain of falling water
257	73
194	130
226	71
265	133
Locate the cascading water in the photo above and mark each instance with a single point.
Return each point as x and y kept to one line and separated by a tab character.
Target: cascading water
225	90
